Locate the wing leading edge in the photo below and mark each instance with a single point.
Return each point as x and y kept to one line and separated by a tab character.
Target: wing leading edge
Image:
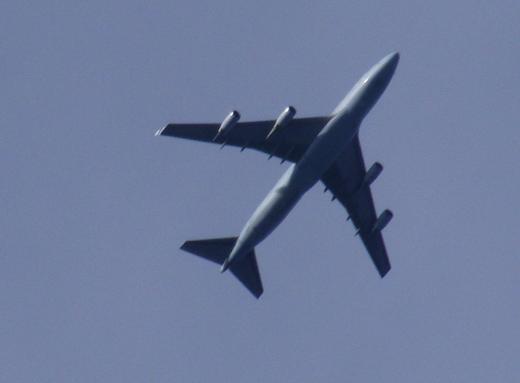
289	143
345	179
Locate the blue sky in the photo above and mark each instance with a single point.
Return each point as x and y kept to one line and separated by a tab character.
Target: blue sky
94	207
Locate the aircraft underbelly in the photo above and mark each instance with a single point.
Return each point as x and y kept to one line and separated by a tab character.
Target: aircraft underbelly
272	211
294	183
326	148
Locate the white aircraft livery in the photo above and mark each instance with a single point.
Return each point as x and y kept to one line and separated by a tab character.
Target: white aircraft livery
325	149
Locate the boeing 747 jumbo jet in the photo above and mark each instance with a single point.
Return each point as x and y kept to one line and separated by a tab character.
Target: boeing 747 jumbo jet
320	148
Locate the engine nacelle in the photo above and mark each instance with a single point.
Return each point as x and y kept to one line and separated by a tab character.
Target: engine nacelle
383	220
228	124
374	172
283	120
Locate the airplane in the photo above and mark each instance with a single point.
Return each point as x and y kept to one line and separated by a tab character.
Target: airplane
319	148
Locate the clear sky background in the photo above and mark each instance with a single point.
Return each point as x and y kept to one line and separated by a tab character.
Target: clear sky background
93	287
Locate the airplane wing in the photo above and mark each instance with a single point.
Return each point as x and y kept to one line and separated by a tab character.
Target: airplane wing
289	143
346	180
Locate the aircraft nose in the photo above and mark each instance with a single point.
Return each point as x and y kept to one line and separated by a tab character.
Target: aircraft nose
394	59
385	69
390	62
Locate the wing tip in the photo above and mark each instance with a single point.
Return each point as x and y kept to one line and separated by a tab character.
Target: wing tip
257	294
160	131
186	246
384	270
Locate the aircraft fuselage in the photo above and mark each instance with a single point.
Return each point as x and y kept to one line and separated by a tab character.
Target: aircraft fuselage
321	154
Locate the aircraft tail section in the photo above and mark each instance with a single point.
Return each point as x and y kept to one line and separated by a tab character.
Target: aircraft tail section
217	250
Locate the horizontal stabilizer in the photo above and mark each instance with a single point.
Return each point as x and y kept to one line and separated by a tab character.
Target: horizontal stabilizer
215	250
218	249
246	270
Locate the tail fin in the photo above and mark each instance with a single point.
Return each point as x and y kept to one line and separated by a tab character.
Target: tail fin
218	249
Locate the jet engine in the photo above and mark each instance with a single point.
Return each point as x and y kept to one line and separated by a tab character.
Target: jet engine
283	120
383	220
374	172
228	124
